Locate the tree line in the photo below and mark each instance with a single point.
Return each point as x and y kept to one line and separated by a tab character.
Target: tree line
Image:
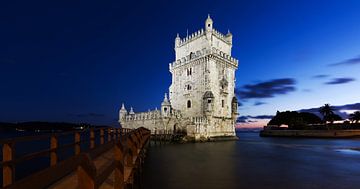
300	120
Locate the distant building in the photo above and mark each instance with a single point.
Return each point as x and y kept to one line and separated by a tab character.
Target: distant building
201	99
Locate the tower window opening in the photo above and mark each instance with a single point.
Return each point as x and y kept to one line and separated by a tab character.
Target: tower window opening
189	104
208	25
222	103
209	101
189	71
188	87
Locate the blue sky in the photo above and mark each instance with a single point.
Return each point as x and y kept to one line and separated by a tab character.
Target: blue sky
78	60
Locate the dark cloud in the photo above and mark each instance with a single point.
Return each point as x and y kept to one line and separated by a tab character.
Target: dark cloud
259	103
246	119
320	76
93	115
242	119
351	61
261	117
341	80
267	89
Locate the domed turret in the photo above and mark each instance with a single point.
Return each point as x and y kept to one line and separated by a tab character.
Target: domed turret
229	37
208	101
208	24
177	41
131	111
165	107
122	112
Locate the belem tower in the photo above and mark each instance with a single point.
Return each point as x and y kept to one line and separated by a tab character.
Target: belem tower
201	100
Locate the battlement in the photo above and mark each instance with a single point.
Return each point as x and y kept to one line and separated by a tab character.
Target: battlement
200	33
202	54
191	37
154	114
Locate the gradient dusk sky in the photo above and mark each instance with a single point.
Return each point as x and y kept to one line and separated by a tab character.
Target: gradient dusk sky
77	61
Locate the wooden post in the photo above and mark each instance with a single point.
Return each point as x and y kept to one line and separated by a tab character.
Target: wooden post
109	134
119	166
8	169
53	148
102	140
92	138
118	134
114	134
77	143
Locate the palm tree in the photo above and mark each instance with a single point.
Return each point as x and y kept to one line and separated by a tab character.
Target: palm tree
327	112
355	117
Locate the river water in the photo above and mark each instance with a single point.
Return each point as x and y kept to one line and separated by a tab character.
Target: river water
254	162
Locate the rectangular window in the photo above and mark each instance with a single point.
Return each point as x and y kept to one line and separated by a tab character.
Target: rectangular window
222	103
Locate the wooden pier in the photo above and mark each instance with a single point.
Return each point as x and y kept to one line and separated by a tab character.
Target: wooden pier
113	159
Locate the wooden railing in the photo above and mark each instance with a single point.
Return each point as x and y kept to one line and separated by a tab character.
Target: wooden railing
129	153
58	169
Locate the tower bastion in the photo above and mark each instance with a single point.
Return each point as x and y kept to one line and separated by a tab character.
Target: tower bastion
201	101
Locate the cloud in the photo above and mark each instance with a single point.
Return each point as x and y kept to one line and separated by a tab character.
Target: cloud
320	76
241	119
261	117
341	80
251	119
340	109
267	89
351	61
93	115
259	103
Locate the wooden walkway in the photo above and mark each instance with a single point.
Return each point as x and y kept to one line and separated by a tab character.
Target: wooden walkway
112	164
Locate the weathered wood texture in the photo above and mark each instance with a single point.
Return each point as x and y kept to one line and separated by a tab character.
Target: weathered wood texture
81	163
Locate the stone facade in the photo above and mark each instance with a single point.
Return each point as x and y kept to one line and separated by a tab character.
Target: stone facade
201	99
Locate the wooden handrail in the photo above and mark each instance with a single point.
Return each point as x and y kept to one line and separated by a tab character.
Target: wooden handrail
127	157
9	160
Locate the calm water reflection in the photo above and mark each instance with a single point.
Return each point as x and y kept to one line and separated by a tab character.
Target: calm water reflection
254	162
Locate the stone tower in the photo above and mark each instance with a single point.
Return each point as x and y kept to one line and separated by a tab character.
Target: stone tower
201	96
203	79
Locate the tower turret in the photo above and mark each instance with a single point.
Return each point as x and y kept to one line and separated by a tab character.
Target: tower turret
208	24
208	27
165	107
131	111
177	40
229	37
208	102
122	112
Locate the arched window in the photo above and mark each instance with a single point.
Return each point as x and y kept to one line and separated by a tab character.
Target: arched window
188	87
189	104
189	71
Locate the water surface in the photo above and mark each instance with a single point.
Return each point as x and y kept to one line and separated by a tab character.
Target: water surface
255	162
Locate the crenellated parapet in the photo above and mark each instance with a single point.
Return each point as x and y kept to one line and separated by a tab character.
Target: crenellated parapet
191	37
201	54
154	114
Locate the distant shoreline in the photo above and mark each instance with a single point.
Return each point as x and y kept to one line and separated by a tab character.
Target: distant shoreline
311	133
